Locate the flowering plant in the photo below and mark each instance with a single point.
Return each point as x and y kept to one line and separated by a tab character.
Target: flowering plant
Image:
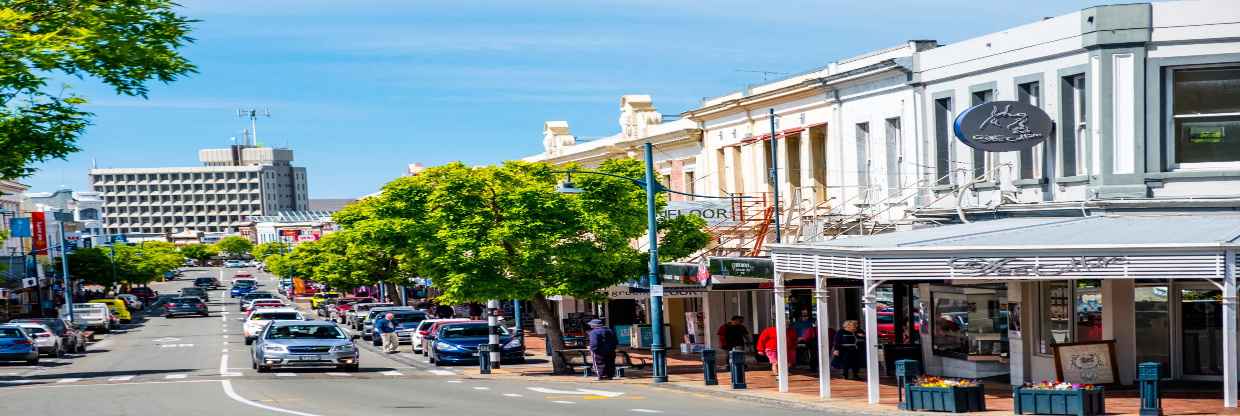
932	381
1058	385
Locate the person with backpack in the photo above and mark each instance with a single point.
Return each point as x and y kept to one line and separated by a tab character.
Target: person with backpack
603	344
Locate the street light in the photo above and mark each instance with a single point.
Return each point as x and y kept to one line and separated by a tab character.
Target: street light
658	351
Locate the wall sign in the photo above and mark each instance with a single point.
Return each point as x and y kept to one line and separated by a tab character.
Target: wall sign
1003	126
1016	266
716	211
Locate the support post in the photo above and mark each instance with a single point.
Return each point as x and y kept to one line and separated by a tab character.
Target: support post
1229	329
657	352
775	179
824	349
493	313
64	264
781	329
870	304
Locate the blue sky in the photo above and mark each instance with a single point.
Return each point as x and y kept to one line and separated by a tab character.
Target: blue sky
361	90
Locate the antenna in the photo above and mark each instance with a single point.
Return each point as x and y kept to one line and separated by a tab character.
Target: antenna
764	73
253	115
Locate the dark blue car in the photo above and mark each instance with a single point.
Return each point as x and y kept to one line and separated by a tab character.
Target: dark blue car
457	343
240	288
16	345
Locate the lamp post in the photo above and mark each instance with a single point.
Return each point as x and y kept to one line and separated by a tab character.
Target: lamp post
61	217
658	350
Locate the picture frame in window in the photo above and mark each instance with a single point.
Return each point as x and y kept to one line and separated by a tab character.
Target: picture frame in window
1089	362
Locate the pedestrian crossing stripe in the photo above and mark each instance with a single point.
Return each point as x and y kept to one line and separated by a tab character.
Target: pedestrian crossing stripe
68	380
392	373
175	376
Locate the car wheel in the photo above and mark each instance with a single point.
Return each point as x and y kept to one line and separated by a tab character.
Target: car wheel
168	316
33	361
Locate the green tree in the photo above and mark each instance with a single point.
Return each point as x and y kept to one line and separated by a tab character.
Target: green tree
200	253
234	246
139	264
124	44
261	251
93	266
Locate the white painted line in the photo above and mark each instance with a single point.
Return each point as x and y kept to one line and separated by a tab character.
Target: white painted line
54	386
561	402
339	374
231	374
512	395
286	375
645	411
392	373
16	381
225	336
441	372
455	381
226	350
484	388
121	378
175	376
233	395
224	363
68	380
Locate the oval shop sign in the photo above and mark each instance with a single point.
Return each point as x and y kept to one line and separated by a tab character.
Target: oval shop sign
1003	126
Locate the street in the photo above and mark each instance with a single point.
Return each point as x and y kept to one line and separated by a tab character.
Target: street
201	366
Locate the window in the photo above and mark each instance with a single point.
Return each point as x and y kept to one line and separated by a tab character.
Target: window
981	164
894	157
970	322
689	185
863	160
1206	112
1073	126
1031	159
942	140
1072	311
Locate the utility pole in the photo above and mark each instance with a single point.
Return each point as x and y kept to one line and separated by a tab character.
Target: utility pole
775	178
658	354
61	217
253	115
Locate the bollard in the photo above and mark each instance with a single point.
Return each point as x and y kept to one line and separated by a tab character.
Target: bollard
484	359
708	367
1148	375
906	372
736	362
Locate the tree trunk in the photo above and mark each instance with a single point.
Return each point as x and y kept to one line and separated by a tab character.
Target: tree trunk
555	335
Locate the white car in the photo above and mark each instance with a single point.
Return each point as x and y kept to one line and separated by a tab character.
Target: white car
233	264
44	338
131	301
260	318
94	316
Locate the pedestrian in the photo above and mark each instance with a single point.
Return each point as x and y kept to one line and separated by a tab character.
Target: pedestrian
768	345
733	334
475	311
387	332
444	311
603	350
849	352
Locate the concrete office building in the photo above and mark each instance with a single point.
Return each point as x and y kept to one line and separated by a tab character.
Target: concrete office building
231	185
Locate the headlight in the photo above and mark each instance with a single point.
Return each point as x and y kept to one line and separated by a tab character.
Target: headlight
343	348
274	348
441	346
513	343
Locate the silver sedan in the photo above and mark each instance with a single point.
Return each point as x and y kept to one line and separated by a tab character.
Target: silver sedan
304	344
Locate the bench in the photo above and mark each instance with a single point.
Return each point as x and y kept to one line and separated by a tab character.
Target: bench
582	358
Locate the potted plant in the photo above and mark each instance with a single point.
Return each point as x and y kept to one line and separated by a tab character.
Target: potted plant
1059	398
939	394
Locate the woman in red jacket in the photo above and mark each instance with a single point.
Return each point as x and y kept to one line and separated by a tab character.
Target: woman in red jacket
768	346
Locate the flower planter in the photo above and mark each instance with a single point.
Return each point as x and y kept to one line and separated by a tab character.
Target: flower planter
954	399
1079	402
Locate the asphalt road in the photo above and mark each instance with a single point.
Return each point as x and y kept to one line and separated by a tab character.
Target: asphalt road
200	366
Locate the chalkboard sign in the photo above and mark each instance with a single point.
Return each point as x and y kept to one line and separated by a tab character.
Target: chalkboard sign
1086	362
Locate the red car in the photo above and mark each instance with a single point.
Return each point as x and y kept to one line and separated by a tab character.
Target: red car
887	325
145	293
343	306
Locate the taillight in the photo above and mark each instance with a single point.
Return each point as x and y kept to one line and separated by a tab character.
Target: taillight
22	342
202	305
424	332
170	305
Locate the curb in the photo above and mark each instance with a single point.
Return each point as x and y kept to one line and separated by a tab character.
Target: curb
820	406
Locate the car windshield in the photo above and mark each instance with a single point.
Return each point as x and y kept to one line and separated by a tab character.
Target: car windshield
404	318
11	333
305	332
202	280
243	283
275	316
192	290
467	331
253	296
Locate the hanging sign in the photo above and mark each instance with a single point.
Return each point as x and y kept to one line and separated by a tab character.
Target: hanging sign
38	232
19	227
1003	126
1015	266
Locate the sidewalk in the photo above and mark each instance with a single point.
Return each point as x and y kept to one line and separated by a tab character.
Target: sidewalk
685	373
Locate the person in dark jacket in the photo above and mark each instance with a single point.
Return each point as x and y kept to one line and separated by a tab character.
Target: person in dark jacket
849	353
444	311
602	350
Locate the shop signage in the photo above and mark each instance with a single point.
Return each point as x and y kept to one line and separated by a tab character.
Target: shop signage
19	227
760	267
714	211
1017	266
672	292
1003	126
38	232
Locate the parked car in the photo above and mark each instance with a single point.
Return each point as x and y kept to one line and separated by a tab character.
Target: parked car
248	297
44	339
343	306
374	313
406	325
131	301
118	307
318	298
207	283
70	336
234	264
263	303
304	344
258	320
243	275
145	293
457	343
93	316
17	345
432	329
419	333
355	317
197	292
241	287
185	305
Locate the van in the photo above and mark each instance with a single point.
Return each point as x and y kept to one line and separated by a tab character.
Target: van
93	316
117	307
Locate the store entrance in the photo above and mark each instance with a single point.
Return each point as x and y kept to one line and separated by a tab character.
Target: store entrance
1201	332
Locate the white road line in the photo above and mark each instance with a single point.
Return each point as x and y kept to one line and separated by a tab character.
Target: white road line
16	381
561	402
54	386
441	372
226	350
645	411
286	375
455	381
482	388
121	378
175	376
392	373
68	380
339	374
512	395
224	363
233	395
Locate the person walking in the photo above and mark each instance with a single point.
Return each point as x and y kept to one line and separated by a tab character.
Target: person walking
768	345
387	332
444	311
603	343
849	354
733	334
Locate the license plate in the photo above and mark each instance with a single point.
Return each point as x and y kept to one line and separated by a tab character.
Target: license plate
308	358
474	354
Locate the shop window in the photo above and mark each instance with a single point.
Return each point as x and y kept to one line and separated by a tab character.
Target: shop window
1073	126
1206	112
1072	311
1030	159
971	322
942	140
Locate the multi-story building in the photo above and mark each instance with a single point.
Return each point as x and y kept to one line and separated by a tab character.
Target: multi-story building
10	207
232	185
86	207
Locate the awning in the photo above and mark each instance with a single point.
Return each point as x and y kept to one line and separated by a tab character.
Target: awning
1095	247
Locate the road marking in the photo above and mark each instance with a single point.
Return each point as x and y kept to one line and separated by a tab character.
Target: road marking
645	411
441	372
225	336
226	350
583	392
175	376
455	381
176	345
68	380
228	390
561	402
512	395
392	373
286	375
482	388
165	339
16	381
339	374
121	378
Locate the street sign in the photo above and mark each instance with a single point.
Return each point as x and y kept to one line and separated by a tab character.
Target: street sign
19	227
119	238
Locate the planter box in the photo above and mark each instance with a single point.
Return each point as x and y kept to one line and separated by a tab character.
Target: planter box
945	399
1058	402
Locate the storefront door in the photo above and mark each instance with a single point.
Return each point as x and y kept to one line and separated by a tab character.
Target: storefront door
1201	332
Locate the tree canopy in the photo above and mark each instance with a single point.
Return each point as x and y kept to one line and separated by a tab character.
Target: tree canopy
234	246
200	253
123	44
261	251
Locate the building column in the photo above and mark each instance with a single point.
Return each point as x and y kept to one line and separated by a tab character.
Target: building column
824	350
1229	330
870	305
1118	324
781	328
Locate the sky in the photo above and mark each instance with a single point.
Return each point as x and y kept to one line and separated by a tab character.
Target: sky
360	89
